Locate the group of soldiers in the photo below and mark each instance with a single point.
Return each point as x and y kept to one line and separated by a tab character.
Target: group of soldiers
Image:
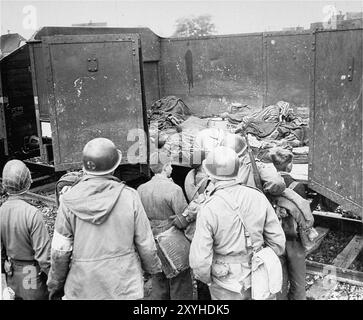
246	235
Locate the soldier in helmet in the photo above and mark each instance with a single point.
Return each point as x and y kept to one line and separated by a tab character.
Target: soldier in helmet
25	243
233	221
272	182
103	230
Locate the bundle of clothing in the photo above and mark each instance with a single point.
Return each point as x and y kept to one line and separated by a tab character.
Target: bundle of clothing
273	123
174	126
168	112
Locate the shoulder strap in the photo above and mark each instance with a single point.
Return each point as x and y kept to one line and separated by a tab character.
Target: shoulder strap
249	244
197	187
293	185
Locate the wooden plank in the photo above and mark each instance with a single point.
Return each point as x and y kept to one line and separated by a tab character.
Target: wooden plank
335	221
340	274
334	215
322	232
41	178
46	187
34	196
350	252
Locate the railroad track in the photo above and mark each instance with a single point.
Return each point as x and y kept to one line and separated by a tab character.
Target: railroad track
330	275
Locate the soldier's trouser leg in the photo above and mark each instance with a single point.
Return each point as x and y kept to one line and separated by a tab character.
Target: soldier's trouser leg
203	291
282	295
296	267
181	287
219	293
27	283
160	287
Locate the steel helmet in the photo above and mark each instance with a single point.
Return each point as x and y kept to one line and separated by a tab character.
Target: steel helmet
100	157
16	177
235	142
222	164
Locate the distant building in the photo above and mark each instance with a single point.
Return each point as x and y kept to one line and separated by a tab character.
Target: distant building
90	24
340	21
9	42
354	15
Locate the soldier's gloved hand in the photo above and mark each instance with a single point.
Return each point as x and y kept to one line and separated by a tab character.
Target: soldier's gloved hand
179	221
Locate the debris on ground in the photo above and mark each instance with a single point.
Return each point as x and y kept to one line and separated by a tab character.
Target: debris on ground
333	243
348	214
345	291
341	291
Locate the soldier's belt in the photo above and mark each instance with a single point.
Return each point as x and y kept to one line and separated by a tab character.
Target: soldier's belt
238	258
24	262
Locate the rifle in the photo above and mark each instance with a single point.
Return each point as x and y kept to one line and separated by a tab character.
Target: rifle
256	174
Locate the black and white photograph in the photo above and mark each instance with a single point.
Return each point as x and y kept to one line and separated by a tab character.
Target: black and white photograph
181	154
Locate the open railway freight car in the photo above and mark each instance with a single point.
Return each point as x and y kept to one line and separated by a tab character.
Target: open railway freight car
319	73
69	85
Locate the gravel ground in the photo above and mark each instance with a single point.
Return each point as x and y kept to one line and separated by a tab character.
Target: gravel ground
343	291
331	246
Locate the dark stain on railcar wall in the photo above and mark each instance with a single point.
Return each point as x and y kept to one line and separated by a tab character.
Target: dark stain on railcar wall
211	73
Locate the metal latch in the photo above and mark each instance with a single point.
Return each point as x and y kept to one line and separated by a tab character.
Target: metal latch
92	64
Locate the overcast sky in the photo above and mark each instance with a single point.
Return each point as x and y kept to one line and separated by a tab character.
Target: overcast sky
239	16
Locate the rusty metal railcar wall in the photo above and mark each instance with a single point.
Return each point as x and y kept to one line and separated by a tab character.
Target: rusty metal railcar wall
210	73
150	43
288	62
94	89
335	157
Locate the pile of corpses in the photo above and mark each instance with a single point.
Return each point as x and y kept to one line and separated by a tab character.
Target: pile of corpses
174	128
